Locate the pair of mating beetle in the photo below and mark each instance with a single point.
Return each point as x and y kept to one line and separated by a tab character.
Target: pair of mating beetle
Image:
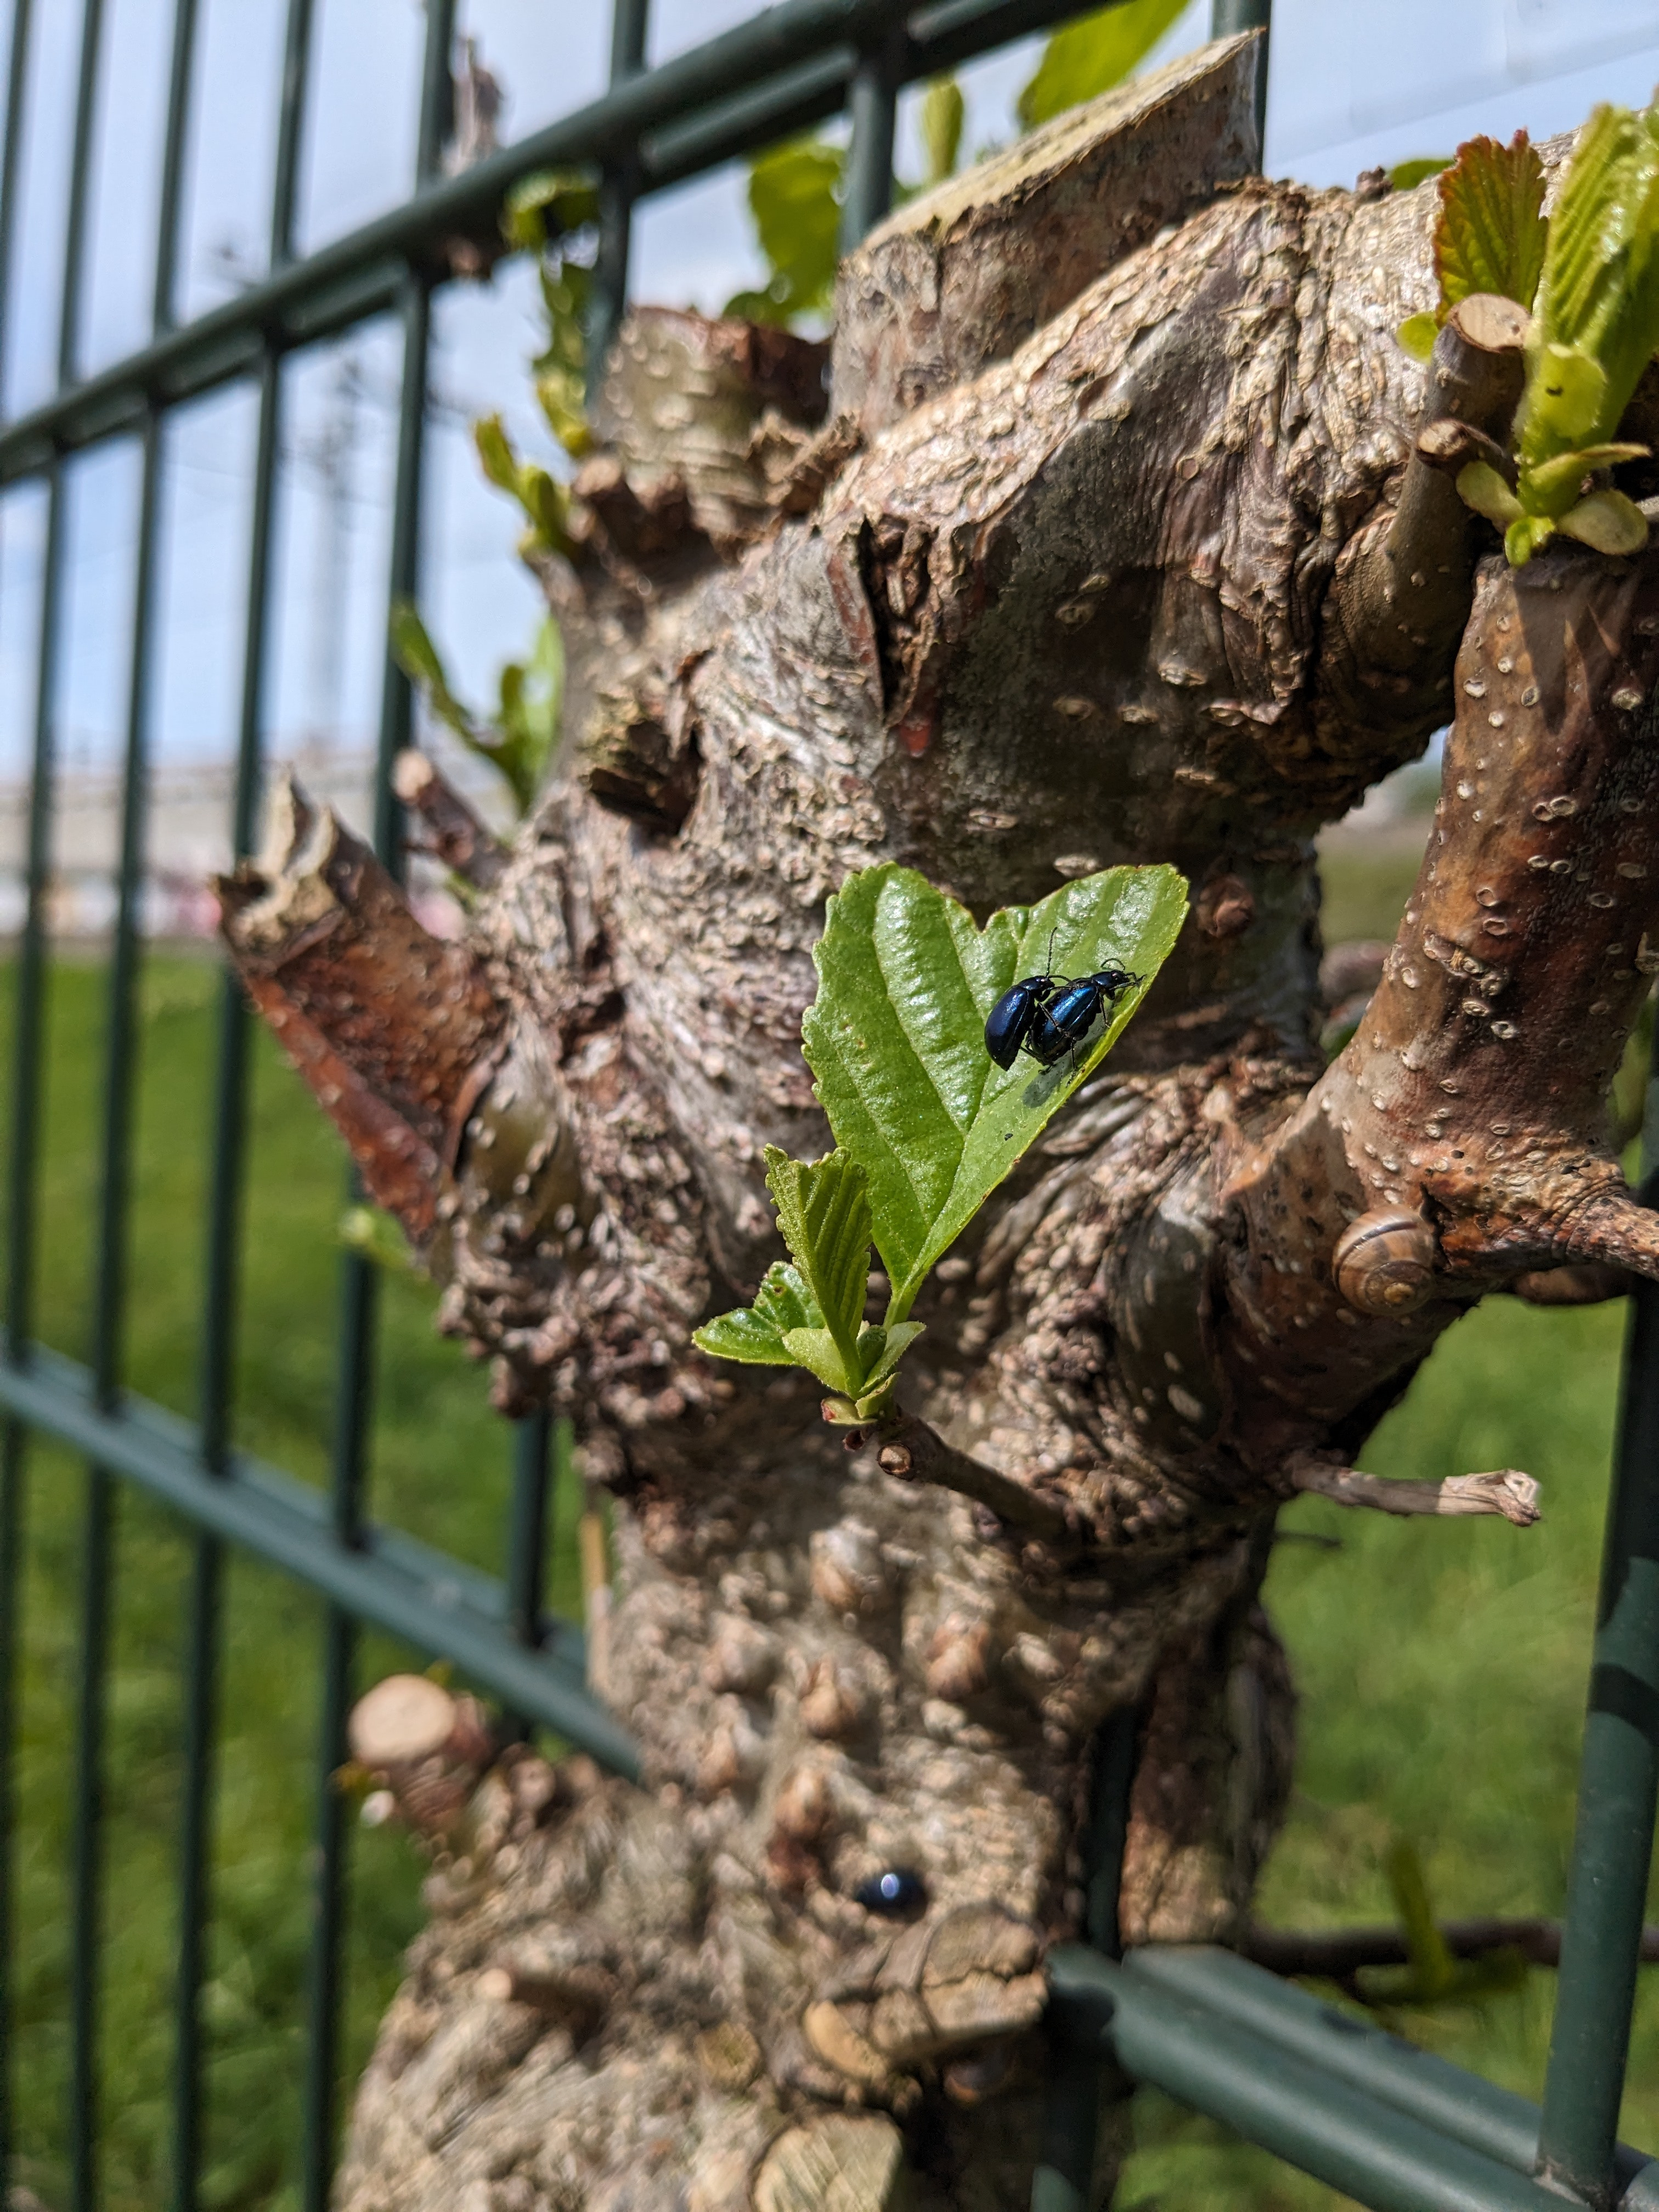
1049	1016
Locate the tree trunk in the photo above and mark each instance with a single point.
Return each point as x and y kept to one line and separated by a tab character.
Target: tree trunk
1146	567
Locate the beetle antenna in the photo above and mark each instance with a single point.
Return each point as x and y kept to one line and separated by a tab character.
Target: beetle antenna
1052	933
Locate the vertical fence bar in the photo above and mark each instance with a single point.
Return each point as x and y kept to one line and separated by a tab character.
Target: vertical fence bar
223	1268
873	105
526	1542
525	1576
359	1304
194	1866
285	183
92	1689
230	1079
13	1443
357	1315
173	162
18	75
618	188
221	1272
1227	19
359	1288
1063	2181
28	1027
222	1279
198	1714
11	1578
108	1321
1619	1777
69	340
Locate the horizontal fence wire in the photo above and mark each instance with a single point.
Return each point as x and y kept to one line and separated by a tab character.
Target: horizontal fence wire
723	90
434	1603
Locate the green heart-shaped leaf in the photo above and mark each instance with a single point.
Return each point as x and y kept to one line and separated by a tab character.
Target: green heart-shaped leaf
896	1037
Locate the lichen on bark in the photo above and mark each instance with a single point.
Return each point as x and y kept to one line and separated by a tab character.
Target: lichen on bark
1135	574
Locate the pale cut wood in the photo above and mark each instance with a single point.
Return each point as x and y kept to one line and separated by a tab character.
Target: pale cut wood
404	1719
836	2165
963	274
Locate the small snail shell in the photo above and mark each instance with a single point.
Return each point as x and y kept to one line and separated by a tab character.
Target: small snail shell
1384	1262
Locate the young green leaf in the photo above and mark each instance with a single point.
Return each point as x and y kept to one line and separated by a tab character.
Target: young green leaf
379	1236
560	368
545	503
824	1211
785	1326
1607	521
1600	283
546	204
1431	1961
1595	326
881	1348
1555	484
416	655
1479	486
1417	334
1404	176
817	1350
532	695
1087	59
896	1038
1527	535
755	1334
1490	233
794	196
939	124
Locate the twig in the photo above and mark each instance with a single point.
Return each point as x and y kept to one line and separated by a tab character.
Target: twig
594	1552
914	1452
425	1745
1403	603
1504	1489
454	834
1591	1284
1337	1953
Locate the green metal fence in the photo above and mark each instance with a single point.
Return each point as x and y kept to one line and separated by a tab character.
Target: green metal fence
1392	2128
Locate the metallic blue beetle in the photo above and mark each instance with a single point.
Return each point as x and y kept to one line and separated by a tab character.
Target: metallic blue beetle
897	1893
1048	1015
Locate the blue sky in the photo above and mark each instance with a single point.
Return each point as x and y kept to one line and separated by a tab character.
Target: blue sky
1353	82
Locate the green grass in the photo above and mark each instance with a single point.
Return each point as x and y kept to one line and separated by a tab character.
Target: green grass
1442	1665
439	1469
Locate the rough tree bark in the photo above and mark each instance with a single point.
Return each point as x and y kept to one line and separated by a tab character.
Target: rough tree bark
1125	554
